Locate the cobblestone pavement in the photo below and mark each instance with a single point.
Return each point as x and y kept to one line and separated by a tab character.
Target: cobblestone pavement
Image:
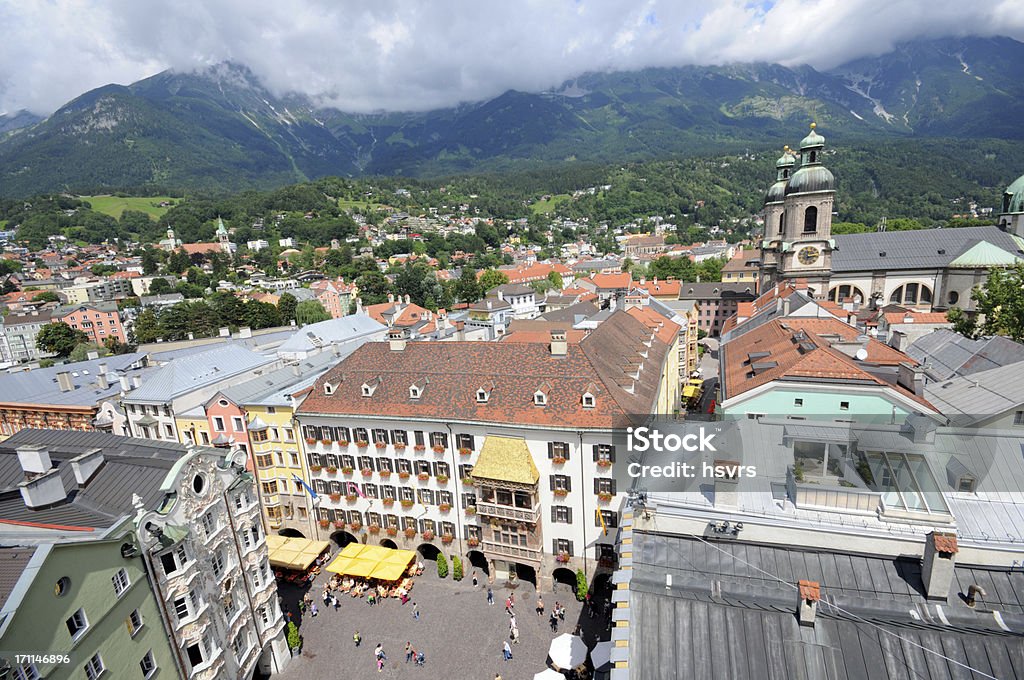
460	635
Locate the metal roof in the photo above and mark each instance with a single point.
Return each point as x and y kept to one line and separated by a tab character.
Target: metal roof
943	353
40	385
971	399
286	380
195	371
920	249
325	333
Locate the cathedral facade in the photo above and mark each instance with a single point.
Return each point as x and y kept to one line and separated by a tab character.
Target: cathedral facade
926	270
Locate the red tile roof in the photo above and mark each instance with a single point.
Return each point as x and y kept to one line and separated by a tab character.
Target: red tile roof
915	317
945	542
660	289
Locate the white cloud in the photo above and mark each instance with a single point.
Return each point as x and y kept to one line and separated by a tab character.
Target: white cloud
422	54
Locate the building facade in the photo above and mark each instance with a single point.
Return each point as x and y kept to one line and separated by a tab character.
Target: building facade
98	321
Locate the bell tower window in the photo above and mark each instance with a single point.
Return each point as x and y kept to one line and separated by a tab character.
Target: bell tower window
782	224
814	157
811	220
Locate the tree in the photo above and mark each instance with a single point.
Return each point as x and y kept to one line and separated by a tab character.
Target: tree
491	278
456	568
310	311
373	287
581	585
82	349
159	287
963	323
59	338
286	307
46	296
150	263
442	566
556	279
467	287
115	346
1000	305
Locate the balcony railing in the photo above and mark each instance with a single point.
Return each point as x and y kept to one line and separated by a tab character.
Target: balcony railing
512	550
505	512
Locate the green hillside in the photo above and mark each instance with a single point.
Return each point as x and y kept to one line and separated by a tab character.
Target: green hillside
115	205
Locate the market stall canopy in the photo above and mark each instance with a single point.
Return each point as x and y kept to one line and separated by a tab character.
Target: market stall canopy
549	674
372	561
567	651
601	654
286	552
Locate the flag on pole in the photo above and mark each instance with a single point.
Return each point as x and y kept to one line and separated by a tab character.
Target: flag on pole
307	487
352	487
604	526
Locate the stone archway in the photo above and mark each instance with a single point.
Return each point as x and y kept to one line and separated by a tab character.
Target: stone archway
525	572
479	561
388	543
563	576
343	538
291	533
428	551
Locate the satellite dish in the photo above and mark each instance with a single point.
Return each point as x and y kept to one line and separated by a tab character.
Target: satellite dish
862	354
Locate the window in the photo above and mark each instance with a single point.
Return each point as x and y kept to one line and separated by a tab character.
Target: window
1018	418
965	484
173	560
186	605
465	441
422	466
210	522
562	545
218	423
120	581
400	437
195	653
418	438
361	434
236	424
558	450
468	499
260	435
911	294
509	534
94	667
405	493
561	483
77	624
404	465
844	291
269	488
134	622
604	453
426	497
604	485
380	436
811	218
798	402
148	665
611	518
271	410
539	398
481	396
26	672
844	406
561	514
441	468
217	561
439	439
385	464
588	400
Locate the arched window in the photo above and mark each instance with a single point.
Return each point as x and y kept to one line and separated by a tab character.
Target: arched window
811	220
911	294
782	224
845	291
785	174
814	156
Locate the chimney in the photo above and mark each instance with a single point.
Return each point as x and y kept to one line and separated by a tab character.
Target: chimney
86	465
92	355
224	332
391	298
64	381
407	298
136	382
501	296
807	605
102	368
191	336
785	307
940	550
245	332
559	345
34	459
125	387
396	340
43	490
359	305
911	378
101	381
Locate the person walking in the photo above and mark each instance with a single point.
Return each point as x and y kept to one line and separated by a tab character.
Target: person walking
415	611
506	651
420	658
515	635
554	623
490	596
540	606
356	638
409	652
497	676
313	610
508	605
474	579
512	621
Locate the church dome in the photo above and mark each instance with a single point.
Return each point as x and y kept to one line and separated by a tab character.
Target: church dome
1013	198
776	192
787	160
813	140
811	178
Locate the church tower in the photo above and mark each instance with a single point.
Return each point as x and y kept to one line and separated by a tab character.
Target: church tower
1011	217
774	214
807	219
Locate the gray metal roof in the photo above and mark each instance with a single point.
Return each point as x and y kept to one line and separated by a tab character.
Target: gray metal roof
748	629
131	466
972	399
273	388
572	314
197	370
40	385
945	353
715	290
333	331
921	249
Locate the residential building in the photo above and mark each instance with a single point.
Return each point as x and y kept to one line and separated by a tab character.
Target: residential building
20	331
490	315
351	330
900	328
183	385
522	298
501	452
98	321
608	287
744	267
643	247
716	302
414	322
335	296
666	289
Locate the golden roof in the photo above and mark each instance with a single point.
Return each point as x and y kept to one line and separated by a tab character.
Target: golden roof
506	459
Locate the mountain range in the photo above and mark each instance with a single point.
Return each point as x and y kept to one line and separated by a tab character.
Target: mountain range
220	129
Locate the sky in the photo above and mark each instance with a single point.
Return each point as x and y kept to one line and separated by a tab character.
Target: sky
405	55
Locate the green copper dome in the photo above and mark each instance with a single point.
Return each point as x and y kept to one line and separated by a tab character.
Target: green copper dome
811	178
813	140
786	160
776	192
1013	198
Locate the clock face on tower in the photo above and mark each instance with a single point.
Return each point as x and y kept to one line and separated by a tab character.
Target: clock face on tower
808	255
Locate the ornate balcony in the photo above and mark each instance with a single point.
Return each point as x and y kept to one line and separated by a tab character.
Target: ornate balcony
531	516
514	551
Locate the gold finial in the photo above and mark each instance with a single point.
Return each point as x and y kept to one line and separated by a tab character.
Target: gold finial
814	125
786	148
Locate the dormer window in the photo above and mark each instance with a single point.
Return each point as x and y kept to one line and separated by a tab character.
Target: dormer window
414	392
588	400
329	388
369	389
540	399
482	396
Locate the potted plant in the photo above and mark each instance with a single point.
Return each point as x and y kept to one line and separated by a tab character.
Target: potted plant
342	443
423	476
332	469
351	497
367	472
471	510
362	443
558	460
410	533
447	539
603	463
472	541
338	524
325	442
315	468
384	474
562	557
403	474
324	523
465	451
438	448
381	445
419	448
373	529
561	493
356	526
294	639
392	531
604	496
442	479
444	507
310	440
388	502
335	497
347	470
428	535
406	503
399	446
468	481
